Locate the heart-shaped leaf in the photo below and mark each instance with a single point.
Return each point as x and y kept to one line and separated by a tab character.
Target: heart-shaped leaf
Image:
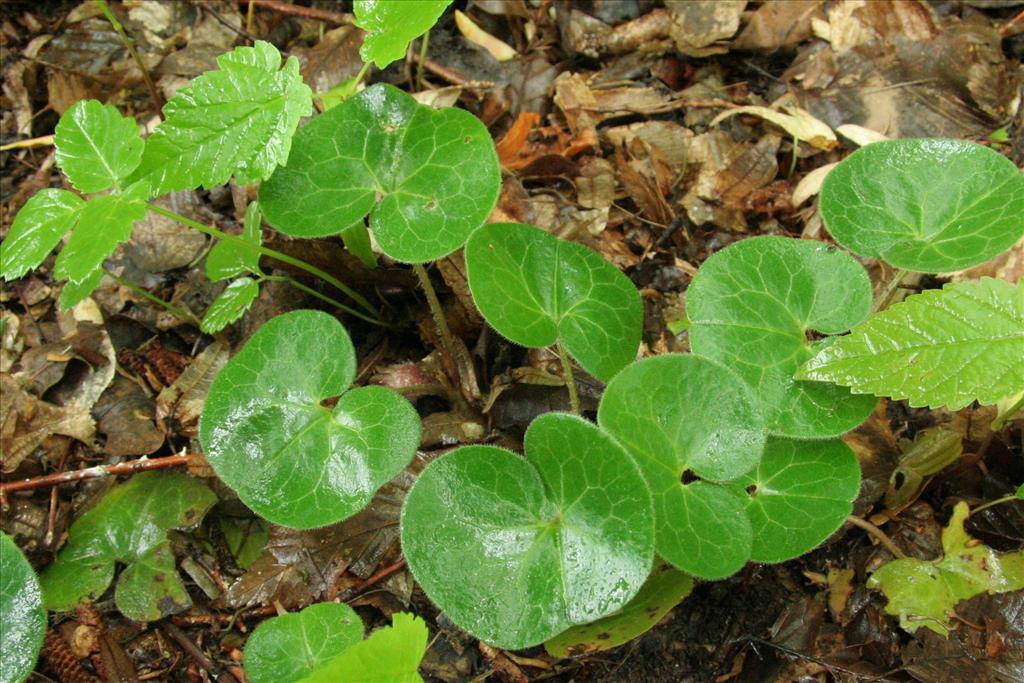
37	229
97	147
517	550
945	347
229	258
679	417
536	289
391	25
103	223
22	618
925	205
268	435
292	646
430	177
751	306
129	525
390	655
232	303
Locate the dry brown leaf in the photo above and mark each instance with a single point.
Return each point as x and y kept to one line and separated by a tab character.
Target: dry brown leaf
183	400
26	421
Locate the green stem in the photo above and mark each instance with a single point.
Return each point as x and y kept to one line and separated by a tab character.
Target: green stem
997	501
130	44
435	309
323	297
890	288
570	378
424	44
174	310
358	79
272	253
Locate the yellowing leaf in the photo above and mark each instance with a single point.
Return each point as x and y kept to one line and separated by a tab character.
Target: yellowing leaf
476	35
797	122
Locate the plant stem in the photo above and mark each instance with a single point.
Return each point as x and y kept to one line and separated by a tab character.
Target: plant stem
323	297
142	464
570	379
439	320
359	78
284	258
424	46
178	312
886	294
997	501
877	533
130	44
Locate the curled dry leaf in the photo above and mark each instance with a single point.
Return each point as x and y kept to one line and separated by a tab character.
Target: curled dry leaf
796	121
476	35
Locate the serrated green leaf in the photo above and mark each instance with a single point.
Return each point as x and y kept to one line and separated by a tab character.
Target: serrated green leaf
292	460
22	618
229	258
925	205
97	147
390	655
802	492
391	25
231	305
128	525
517	550
236	121
752	304
103	223
292	646
681	414
923	593
536	289
74	293
37	229
944	347
663	590
430	177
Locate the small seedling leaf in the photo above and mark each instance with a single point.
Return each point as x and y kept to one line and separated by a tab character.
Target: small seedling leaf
430	177
22	618
37	229
925	205
750	307
536	289
945	347
97	147
235	121
516	550
103	223
925	593
391	25
229	258
292	460
74	293
232	303
390	655
664	590
129	525
292	646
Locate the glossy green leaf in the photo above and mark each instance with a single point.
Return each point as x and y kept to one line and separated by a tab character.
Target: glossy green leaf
664	590
37	229
236	121
516	550
681	414
923	593
945	347
231	305
74	293
390	655
391	25
229	258
97	147
268	435
292	646
800	493
22	618
925	205
103	223
429	176
751	306
129	525
536	289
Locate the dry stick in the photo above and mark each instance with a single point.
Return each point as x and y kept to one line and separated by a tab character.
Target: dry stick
44	141
570	378
130	44
142	464
193	651
380	575
878	534
300	11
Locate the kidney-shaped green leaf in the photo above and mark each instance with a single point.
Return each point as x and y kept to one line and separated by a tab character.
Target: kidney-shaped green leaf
129	525
390	655
22	619
37	229
292	646
97	147
430	176
750	307
536	289
291	459
925	205
517	550
391	25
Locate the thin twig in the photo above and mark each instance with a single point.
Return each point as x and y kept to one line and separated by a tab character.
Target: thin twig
193	651
142	464
380	575
130	44
300	11
44	141
878	534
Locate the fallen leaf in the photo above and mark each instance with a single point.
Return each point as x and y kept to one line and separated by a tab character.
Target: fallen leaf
476	35
799	123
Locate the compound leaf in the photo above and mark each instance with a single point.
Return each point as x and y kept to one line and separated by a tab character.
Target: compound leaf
74	293
231	258
103	223
517	550
924	593
22	618
97	147
925	205
750	307
238	120
390	655
536	289
945	347
430	177
37	229
391	25
232	303
129	525
292	646
268	435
